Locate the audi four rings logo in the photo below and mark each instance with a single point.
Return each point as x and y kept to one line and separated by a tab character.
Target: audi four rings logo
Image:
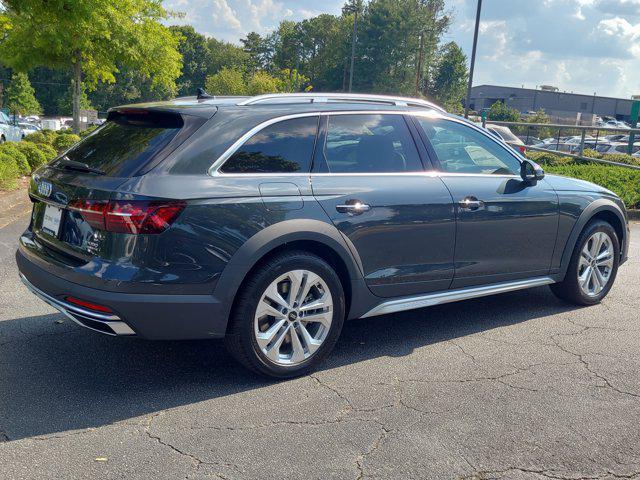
44	189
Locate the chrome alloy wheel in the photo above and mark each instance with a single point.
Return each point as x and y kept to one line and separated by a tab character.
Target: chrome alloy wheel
596	264
293	317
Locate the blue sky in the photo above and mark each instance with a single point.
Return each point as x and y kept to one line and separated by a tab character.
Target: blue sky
583	46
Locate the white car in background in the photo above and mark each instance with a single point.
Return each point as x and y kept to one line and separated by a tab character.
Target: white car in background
28	128
9	131
617	148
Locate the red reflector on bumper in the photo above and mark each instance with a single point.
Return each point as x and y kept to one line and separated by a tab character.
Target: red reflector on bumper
89	305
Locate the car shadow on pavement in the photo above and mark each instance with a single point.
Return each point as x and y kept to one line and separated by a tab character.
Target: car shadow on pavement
57	377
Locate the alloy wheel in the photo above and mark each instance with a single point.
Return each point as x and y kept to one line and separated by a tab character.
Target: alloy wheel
293	317
596	264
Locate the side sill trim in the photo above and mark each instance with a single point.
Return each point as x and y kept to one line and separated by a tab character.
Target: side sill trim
410	303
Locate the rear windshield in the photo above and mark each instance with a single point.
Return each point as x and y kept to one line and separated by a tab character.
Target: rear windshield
126	142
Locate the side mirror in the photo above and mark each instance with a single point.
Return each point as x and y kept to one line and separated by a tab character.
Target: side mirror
531	172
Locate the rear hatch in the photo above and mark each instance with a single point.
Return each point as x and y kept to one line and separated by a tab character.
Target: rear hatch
74	214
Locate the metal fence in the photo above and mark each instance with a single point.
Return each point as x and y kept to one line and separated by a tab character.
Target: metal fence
526	131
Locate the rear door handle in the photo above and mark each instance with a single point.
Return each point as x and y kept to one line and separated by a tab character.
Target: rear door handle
353	207
471	203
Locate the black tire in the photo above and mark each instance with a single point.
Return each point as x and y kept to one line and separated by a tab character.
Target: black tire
569	289
240	339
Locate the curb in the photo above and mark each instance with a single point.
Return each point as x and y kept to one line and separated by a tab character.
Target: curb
14	204
634	215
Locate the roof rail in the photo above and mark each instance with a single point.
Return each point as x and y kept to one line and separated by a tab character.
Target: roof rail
339	97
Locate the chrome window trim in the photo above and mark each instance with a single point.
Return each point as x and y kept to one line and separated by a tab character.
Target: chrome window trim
214	169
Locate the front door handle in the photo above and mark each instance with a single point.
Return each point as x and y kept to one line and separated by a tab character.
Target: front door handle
471	203
353	207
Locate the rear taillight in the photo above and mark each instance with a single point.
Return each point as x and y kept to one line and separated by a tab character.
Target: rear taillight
129	216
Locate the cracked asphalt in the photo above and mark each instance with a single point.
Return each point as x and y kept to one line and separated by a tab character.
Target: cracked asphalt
517	386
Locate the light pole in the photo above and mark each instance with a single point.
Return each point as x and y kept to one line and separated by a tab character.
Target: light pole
353	48
473	60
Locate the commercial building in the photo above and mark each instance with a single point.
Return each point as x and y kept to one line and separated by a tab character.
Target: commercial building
562	107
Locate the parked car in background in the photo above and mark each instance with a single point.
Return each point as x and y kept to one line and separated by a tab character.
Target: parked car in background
9	130
618	148
28	128
529	140
553	147
269	221
506	135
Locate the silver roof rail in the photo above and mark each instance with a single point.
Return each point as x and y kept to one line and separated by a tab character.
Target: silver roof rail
340	97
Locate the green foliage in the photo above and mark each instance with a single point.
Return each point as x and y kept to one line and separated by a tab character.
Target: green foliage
624	182
65	103
63	142
502	113
9	172
450	78
20	96
35	156
48	151
10	149
94	37
549	158
261	82
228	81
616	157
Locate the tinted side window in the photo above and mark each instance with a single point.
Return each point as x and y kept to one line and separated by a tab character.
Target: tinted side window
461	149
284	147
370	144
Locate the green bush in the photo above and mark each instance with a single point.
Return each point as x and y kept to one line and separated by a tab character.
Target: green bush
9	171
35	156
49	152
65	141
12	150
37	137
616	157
624	182
549	158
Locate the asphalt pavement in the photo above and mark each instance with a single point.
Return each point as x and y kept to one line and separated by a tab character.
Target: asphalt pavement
516	386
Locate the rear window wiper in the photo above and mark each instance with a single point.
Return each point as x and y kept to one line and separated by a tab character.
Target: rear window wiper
68	164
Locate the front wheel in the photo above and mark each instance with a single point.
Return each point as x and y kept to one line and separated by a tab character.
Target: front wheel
288	315
593	266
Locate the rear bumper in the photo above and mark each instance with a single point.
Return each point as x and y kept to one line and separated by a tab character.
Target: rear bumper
151	316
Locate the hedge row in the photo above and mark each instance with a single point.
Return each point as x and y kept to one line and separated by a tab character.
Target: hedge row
19	159
624	182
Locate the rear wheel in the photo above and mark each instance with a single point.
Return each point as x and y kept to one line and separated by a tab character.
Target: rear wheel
593	266
288	316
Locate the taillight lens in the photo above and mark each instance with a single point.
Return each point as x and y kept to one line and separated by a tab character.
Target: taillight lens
139	216
129	216
91	210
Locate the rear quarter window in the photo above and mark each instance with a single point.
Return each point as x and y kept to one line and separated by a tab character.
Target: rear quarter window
284	147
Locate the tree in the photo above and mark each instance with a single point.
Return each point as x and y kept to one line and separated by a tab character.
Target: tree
195	59
225	55
228	81
20	96
65	103
257	48
502	113
449	81
92	38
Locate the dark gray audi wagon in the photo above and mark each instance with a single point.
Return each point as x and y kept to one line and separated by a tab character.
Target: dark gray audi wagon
271	220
